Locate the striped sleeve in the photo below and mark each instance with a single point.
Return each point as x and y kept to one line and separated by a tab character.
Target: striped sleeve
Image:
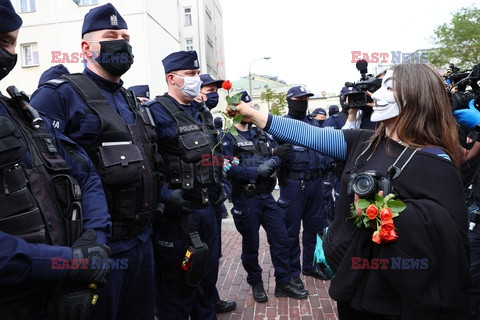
328	141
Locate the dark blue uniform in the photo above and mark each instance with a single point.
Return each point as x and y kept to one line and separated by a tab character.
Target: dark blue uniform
336	121
22	262
129	293
301	197
259	208
172	302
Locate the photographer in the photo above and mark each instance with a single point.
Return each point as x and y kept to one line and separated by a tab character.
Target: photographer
414	111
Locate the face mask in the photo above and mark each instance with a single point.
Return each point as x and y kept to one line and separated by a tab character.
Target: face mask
212	100
7	62
297	108
115	56
191	86
386	106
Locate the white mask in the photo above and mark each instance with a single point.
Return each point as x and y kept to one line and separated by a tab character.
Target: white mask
191	86
386	106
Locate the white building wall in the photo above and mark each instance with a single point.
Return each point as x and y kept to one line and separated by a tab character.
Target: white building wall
56	26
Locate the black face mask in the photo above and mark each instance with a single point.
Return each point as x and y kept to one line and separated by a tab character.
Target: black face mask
7	62
115	56
212	100
297	108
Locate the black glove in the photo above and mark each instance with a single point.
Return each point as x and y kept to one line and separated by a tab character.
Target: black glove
72	301
283	152
89	256
176	204
266	168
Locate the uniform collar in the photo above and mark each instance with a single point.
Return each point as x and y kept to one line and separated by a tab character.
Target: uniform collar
108	85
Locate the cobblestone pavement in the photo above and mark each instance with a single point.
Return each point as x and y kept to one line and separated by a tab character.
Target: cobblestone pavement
232	285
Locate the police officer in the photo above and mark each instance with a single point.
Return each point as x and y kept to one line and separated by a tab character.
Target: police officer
320	115
330	180
209	96
142	92
300	180
95	111
53	72
336	120
191	153
253	181
50	194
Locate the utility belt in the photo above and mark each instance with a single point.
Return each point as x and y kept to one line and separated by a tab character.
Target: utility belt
301	175
125	230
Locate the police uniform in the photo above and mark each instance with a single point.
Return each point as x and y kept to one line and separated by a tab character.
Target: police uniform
50	194
185	136
301	193
254	205
336	120
106	121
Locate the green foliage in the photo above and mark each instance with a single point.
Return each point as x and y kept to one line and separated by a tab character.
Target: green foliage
276	101
458	41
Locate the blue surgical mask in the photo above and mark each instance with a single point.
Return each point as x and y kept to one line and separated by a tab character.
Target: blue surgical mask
212	100
191	86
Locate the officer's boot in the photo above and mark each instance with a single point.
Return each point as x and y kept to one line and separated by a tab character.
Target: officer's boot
259	293
297	282
289	290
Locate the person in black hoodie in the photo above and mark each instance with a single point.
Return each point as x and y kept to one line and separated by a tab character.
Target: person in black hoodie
414	110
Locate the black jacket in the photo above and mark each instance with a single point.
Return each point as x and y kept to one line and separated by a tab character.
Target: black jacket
432	227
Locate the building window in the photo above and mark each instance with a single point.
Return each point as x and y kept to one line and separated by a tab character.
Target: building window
29	55
189	44
188	16
23	6
86	2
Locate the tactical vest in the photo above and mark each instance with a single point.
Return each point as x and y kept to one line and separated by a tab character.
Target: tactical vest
251	154
183	153
41	203
126	159
305	159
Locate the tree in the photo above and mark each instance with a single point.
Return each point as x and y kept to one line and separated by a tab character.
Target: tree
458	41
279	104
276	101
268	95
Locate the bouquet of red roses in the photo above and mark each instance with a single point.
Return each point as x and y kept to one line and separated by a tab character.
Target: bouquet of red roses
380	213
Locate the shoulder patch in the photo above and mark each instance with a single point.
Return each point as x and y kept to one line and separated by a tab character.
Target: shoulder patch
55	82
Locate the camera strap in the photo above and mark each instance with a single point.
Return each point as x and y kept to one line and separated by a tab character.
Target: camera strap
395	169
403	159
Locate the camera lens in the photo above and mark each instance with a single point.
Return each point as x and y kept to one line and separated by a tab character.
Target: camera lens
364	185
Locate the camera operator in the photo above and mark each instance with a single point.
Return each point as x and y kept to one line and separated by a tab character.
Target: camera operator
415	134
359	117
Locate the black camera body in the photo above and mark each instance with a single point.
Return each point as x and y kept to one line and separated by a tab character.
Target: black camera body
457	82
367	184
367	83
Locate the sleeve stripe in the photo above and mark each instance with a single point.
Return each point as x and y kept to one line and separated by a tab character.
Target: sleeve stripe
328	141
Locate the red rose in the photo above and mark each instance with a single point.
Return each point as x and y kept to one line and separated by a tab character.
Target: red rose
387	225
376	237
390	236
371	211
227	85
386	214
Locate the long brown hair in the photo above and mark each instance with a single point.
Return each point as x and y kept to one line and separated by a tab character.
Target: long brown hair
425	117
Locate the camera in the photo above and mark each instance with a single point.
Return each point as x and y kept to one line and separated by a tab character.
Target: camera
457	82
367	83
367	184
